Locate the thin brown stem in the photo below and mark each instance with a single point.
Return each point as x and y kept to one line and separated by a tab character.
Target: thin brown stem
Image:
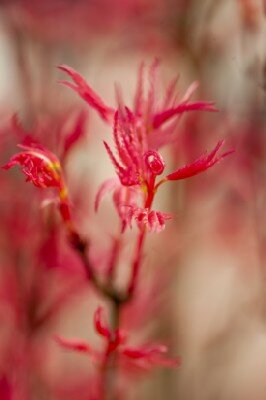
113	260
136	263
106	290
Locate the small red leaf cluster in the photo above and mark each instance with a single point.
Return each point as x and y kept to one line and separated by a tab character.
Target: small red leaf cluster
144	357
138	133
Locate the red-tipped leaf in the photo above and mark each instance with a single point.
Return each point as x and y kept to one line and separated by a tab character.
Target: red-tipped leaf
201	164
81	86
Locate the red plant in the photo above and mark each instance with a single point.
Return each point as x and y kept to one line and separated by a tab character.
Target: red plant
137	136
139	169
43	169
144	357
150	119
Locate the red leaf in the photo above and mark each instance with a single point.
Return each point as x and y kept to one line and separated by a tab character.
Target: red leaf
106	187
201	164
153	220
73	344
164	116
87	93
100	326
77	132
151	355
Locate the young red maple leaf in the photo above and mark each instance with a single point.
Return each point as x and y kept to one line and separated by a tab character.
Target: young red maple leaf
203	163
137	134
40	166
68	128
86	92
135	164
150	114
145	357
138	169
43	169
154	221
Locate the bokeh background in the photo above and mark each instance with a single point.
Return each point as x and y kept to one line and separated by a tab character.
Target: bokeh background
203	288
